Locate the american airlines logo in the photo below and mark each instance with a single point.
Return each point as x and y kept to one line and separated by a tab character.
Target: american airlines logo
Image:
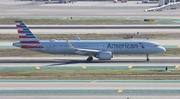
122	46
142	46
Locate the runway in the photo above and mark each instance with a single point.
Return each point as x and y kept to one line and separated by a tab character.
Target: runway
107	8
79	89
104	30
94	27
76	62
96	31
91	89
91	97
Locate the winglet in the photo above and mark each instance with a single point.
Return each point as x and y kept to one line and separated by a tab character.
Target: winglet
70	45
77	37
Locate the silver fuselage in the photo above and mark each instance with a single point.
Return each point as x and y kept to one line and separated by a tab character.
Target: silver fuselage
115	46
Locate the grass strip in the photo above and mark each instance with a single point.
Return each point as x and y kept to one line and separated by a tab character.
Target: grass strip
93	36
91	75
80	21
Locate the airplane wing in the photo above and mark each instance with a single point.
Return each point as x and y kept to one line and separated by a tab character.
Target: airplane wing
83	51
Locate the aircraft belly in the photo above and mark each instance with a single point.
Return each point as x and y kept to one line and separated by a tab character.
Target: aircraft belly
115	51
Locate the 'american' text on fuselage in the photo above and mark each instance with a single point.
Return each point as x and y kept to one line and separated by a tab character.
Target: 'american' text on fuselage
122	46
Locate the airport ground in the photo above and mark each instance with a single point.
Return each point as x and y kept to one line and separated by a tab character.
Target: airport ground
76	68
23	8
91	89
88	20
94	88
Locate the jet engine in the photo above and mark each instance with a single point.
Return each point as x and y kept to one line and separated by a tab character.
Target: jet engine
105	55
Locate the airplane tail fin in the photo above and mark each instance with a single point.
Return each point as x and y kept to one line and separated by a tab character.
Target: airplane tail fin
25	35
27	38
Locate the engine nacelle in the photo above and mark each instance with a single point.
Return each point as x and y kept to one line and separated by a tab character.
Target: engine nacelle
105	55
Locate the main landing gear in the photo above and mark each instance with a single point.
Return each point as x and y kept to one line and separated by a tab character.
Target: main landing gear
89	59
147	57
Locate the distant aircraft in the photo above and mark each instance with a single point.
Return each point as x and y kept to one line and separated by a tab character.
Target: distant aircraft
101	49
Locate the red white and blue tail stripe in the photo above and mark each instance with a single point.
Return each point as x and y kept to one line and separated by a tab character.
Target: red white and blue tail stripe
27	38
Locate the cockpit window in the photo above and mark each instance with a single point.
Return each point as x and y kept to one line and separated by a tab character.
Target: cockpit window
156	45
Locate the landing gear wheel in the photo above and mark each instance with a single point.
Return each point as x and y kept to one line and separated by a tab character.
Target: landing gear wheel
147	57
147	60
89	59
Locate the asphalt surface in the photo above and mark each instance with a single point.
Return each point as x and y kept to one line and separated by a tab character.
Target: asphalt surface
108	8
95	26
95	29
81	61
89	89
91	96
98	31
93	85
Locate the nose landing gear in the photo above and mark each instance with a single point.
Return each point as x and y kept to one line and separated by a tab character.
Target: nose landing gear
147	57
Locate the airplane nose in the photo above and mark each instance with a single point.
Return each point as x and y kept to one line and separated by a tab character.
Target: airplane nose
162	49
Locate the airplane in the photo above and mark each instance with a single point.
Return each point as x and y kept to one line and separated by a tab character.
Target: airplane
101	49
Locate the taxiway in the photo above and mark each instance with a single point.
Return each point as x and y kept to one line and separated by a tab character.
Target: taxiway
79	89
108	8
81	61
